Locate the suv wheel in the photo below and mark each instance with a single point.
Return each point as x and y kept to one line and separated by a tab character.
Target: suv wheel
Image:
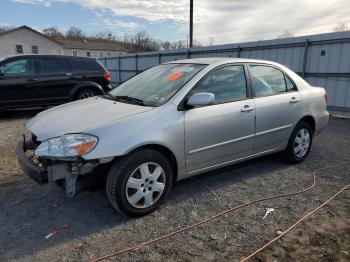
299	144
87	93
138	183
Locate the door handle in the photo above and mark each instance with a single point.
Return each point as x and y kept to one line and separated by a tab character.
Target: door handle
32	79
247	108
294	100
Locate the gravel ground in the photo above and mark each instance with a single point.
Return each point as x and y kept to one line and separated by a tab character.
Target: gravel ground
28	212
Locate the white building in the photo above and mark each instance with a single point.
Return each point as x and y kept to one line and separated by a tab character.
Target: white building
26	40
91	48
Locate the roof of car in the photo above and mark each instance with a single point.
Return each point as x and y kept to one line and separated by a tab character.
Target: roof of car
214	60
31	55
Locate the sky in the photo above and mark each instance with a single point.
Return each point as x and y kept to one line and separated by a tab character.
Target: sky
215	21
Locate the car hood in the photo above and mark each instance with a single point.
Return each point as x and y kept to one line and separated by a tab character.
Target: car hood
80	116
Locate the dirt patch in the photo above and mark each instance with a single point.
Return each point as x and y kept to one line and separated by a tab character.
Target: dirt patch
30	211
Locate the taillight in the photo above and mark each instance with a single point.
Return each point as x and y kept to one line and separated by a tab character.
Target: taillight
107	76
326	98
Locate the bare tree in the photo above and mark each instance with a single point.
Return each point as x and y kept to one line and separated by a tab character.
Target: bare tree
75	33
196	43
340	27
179	44
286	34
4	28
166	45
54	33
211	41
141	41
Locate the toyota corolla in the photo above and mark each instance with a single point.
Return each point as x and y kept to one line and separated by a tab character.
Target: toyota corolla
171	122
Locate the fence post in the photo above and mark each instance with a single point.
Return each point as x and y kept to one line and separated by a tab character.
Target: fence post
238	51
119	71
159	58
188	55
307	43
136	63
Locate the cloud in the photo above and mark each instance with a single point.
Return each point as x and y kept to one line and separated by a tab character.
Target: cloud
35	2
226	21
117	24
240	20
4	24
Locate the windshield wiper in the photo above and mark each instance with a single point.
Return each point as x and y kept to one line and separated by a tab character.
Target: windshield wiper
130	99
110	96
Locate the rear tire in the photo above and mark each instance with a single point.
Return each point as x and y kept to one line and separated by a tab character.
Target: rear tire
86	93
138	183
299	143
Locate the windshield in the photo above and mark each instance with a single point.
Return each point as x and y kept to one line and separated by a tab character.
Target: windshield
157	85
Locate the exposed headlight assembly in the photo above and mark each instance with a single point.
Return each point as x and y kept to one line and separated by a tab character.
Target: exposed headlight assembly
66	146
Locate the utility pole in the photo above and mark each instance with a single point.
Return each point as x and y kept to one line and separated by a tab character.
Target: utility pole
191	23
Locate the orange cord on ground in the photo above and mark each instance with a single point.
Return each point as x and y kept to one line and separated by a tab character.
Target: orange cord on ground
195	225
294	225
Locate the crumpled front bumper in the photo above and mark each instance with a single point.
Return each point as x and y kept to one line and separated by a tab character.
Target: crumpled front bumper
35	172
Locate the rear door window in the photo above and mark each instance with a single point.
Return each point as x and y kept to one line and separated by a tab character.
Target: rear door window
50	66
85	65
20	67
266	80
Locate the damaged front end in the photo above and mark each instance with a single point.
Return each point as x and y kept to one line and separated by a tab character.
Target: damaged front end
63	171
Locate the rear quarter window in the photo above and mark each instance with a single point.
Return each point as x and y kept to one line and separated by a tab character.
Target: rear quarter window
85	65
53	65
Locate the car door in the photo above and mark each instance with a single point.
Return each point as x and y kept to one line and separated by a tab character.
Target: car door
278	107
18	83
55	79
221	133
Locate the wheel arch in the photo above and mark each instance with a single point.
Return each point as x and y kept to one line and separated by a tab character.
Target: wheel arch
310	120
166	152
85	86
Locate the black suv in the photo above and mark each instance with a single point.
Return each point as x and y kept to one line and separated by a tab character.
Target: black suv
47	80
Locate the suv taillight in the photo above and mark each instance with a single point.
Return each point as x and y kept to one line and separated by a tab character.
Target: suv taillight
326	98
107	76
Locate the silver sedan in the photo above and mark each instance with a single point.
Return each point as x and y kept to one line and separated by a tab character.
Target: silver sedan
171	122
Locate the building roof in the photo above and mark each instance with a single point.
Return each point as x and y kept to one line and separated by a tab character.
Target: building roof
91	45
30	29
73	44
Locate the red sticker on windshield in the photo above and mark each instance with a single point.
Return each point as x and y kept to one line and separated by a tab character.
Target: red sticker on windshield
175	76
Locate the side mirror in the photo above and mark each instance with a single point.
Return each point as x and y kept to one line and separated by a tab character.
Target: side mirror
201	99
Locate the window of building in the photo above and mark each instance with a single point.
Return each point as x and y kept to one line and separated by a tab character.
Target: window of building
227	84
19	49
109	54
35	49
88	54
267	80
75	53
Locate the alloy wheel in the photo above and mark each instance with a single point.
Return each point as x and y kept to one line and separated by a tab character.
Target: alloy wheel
145	185
86	95
302	142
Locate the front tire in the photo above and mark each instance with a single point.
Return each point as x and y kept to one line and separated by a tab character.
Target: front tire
138	183
299	143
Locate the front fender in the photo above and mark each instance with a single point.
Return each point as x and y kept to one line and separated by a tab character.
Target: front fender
161	126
